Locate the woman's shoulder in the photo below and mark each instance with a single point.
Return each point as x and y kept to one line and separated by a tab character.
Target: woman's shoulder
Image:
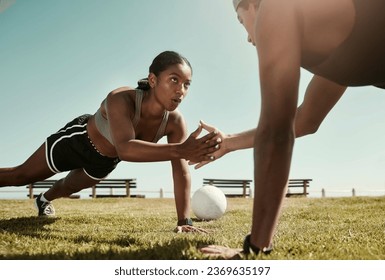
122	97
176	123
176	119
126	92
123	90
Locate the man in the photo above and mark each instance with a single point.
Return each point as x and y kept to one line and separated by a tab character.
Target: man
342	43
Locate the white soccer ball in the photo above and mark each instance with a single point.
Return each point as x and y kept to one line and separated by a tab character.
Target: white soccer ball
208	203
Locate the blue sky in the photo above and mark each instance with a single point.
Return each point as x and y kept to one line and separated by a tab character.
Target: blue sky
59	59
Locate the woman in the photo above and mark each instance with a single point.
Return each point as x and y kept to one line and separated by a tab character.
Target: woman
126	127
342	43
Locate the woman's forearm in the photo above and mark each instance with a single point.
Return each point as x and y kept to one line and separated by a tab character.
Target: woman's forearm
193	148
142	151
182	188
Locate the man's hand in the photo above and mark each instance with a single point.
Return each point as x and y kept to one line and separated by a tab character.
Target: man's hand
221	252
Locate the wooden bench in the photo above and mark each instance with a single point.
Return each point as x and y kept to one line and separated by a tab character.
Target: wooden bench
113	184
301	186
243	184
46	184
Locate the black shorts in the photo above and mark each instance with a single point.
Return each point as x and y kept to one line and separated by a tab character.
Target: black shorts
70	148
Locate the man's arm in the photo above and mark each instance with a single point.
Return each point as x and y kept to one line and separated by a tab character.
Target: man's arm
320	97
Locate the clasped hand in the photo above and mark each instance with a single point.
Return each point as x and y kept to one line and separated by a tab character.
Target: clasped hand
207	148
197	150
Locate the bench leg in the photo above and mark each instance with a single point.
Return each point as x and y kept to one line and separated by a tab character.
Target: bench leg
128	189
305	184
30	191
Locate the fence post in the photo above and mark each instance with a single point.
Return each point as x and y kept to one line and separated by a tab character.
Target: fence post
323	192
353	192
161	192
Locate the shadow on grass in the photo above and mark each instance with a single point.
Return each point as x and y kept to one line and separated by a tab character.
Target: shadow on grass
120	248
175	250
28	226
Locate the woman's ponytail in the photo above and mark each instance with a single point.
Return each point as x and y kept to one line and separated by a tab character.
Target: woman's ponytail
143	84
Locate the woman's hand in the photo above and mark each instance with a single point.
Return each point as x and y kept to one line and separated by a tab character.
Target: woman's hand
187	228
221	141
196	149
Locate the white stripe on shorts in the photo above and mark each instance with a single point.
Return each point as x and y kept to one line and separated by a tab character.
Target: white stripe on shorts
92	177
53	167
47	158
75	125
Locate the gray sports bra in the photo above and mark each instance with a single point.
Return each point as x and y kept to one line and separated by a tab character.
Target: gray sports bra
103	126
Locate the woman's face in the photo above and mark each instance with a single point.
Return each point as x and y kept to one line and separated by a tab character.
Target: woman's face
247	18
172	85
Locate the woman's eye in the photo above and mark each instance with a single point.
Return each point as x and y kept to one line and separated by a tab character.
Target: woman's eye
187	85
174	80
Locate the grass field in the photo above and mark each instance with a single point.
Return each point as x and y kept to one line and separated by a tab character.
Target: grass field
310	229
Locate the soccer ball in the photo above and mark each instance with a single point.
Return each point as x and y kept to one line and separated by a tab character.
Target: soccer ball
208	203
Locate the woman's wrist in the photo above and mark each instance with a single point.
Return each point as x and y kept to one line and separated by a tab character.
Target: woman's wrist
185	222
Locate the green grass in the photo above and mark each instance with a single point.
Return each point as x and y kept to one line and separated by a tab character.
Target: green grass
309	229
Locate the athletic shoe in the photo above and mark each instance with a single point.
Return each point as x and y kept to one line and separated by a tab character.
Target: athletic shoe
45	208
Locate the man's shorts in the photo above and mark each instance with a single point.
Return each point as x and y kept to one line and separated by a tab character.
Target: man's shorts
70	148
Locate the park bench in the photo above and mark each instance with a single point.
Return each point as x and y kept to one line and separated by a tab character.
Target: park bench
124	185
115	184
298	187
46	184
239	184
